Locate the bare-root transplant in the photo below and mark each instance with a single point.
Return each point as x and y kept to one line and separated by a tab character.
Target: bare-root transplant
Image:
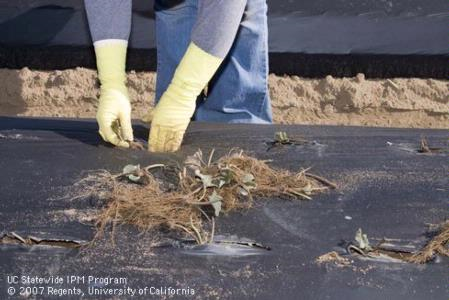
437	245
204	189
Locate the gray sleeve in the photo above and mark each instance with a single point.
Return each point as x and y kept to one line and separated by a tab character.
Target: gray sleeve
109	19
217	25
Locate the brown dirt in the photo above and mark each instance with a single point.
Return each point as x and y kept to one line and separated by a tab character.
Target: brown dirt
338	101
333	257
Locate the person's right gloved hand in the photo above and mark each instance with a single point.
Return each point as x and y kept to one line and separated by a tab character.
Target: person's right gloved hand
114	118
114	108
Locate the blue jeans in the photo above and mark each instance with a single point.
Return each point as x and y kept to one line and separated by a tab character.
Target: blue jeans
238	93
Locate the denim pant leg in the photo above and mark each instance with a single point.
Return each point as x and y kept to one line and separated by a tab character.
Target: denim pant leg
238	92
174	23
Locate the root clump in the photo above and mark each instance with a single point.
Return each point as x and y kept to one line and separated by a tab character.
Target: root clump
203	190
439	244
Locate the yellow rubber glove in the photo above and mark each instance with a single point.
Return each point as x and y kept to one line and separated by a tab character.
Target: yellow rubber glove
114	109
172	115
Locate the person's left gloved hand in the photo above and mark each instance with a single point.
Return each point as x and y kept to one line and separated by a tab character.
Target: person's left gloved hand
172	115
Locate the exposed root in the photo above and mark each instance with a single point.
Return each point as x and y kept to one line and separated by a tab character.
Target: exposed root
425	148
204	188
439	244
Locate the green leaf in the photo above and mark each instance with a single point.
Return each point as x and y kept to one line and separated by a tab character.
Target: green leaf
362	240
249	183
221	183
130	169
206	179
281	137
216	202
249	180
226	177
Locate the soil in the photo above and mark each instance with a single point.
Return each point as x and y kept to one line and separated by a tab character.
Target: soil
398	102
333	257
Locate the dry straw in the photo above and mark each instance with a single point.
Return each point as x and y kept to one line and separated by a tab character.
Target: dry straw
204	188
437	245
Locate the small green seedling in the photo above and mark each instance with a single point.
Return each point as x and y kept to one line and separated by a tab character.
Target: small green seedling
362	241
281	138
